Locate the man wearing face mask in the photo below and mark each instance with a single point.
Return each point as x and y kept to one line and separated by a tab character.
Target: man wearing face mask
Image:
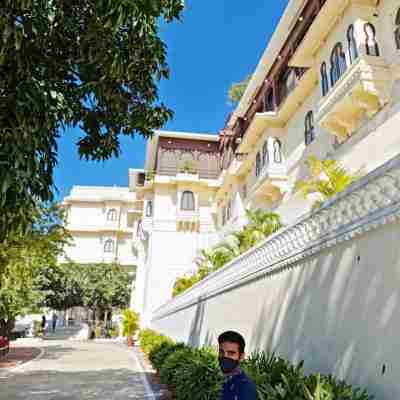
237	385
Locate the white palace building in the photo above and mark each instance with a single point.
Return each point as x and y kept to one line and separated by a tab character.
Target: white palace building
327	85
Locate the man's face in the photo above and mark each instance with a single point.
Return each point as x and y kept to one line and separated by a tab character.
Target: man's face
230	350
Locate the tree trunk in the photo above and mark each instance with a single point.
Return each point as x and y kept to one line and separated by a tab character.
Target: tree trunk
105	318
6	326
96	316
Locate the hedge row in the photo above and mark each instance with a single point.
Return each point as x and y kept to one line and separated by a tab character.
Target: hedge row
194	374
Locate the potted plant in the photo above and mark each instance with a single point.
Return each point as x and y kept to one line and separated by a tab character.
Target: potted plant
188	167
130	325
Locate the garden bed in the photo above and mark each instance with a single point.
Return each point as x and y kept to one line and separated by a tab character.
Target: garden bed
191	374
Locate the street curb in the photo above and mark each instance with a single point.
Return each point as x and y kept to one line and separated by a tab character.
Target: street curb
18	368
149	391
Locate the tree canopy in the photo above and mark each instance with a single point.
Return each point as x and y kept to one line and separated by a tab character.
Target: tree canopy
22	259
98	286
237	89
326	178
92	64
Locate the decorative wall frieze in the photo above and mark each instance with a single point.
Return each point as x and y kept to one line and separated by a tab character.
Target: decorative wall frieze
368	204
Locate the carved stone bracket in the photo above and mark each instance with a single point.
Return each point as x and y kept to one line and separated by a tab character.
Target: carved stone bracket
358	95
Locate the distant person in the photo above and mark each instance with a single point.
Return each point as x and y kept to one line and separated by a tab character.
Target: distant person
54	321
43	323
237	385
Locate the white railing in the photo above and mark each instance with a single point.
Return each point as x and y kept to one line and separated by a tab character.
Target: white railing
369	203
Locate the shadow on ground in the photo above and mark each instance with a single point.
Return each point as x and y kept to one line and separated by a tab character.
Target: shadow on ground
106	384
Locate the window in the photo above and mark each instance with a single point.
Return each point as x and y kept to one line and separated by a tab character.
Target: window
112	215
139	228
187	202
269	103
229	210
149	209
265	156
277	151
258	164
352	45
223	216
309	128
109	246
338	63
397	31
371	44
287	83
324	79
244	191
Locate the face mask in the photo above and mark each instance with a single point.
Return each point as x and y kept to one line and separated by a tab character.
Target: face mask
227	365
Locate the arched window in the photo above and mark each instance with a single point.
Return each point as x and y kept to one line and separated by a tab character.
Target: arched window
187	202
309	132
397	31
258	164
351	44
324	79
149	209
371	45
112	215
229	210
338	63
139	228
265	156
223	216
109	246
244	191
277	151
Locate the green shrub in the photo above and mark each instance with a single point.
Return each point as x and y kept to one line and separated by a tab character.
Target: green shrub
194	374
170	370
200	377
275	377
114	332
150	339
317	387
130	322
160	352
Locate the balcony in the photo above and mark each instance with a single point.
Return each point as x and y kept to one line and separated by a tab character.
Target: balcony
193	173
271	183
324	22
97	228
358	95
291	96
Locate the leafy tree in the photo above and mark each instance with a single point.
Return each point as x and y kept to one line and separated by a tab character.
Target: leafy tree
60	286
326	179
63	63
21	261
237	89
104	286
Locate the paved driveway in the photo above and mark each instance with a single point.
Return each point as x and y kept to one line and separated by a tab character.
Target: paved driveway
71	370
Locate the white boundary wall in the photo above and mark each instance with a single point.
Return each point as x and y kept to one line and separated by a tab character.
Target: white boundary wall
325	289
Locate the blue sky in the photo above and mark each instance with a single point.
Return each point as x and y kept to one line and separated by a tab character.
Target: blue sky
217	43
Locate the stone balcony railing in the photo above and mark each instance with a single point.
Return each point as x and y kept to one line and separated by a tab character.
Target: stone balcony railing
271	183
368	204
358	95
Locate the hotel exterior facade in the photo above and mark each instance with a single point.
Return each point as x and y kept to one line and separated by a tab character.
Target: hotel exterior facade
327	85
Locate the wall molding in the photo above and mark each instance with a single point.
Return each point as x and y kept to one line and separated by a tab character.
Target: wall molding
368	204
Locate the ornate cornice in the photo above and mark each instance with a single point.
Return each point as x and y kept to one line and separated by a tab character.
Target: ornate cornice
371	202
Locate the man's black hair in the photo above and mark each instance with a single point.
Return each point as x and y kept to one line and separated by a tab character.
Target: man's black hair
234	337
